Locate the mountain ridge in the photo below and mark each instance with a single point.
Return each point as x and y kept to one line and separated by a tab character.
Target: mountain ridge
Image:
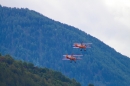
32	37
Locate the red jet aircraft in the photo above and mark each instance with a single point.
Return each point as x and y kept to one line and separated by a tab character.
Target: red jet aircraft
72	57
82	45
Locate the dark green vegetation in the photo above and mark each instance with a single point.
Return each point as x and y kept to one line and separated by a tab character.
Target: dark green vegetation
32	37
18	73
90	85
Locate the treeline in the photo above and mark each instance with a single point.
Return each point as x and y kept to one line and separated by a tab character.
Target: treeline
18	73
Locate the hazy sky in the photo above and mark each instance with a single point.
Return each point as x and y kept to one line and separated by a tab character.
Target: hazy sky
107	20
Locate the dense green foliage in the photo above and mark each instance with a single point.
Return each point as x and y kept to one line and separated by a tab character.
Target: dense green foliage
90	85
18	73
32	37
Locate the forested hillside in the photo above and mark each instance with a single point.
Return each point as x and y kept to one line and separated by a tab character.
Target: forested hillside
32	37
18	73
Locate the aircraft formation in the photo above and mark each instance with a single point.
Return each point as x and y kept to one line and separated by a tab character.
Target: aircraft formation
81	46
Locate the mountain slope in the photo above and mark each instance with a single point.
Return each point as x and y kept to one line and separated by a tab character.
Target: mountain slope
32	37
18	73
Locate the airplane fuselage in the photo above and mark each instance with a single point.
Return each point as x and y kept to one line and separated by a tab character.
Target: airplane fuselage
80	46
71	58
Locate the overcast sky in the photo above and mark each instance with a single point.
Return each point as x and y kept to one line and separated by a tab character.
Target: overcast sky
107	20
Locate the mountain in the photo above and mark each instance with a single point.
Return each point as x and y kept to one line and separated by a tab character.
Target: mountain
18	73
33	37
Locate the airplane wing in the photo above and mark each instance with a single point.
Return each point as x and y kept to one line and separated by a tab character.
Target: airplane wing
66	55
65	59
77	55
75	47
87	43
82	44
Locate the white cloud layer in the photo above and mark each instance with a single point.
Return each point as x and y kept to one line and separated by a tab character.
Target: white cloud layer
107	20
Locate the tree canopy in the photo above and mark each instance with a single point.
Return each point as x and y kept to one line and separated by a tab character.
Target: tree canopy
18	73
